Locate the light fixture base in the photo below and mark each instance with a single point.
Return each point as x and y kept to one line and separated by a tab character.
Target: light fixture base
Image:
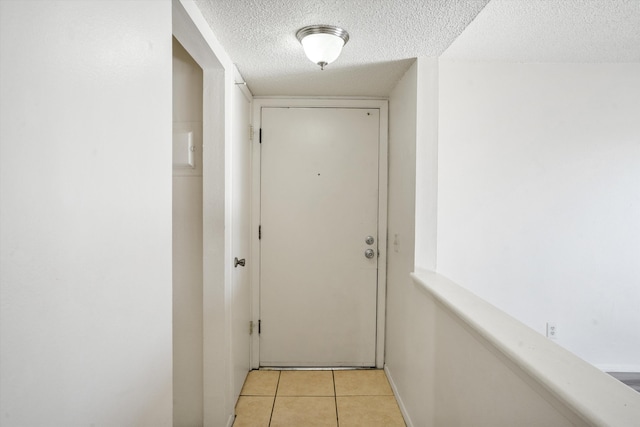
322	29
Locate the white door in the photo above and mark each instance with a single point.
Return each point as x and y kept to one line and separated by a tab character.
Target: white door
319	204
240	243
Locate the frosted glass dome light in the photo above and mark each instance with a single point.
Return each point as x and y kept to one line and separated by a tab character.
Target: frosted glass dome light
322	43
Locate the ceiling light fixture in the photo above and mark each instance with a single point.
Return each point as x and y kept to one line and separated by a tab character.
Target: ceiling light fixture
322	43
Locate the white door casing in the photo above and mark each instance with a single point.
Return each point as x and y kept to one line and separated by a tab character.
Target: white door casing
323	192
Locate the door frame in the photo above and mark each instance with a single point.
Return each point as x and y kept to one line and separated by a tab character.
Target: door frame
370	103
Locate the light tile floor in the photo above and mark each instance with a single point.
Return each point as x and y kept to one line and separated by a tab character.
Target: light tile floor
342	398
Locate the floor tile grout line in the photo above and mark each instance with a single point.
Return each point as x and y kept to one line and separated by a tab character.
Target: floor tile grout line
335	397
273	406
366	395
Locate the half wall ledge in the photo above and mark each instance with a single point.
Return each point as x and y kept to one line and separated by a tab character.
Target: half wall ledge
577	389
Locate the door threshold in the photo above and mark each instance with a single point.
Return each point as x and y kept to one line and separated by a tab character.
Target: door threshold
311	368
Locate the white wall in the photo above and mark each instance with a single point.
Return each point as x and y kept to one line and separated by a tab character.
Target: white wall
409	350
187	246
539	198
85	213
426	159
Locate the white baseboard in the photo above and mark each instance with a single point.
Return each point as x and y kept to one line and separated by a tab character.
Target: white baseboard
403	410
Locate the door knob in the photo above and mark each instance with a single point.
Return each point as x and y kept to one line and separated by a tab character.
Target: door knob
369	253
237	262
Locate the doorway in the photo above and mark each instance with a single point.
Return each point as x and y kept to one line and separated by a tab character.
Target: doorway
322	220
219	360
187	239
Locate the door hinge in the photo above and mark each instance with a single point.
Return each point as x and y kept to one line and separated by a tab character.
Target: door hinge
250	327
259	232
250	132
260	136
259	327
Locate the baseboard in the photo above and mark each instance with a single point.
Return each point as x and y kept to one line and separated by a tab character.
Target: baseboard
231	420
618	368
403	409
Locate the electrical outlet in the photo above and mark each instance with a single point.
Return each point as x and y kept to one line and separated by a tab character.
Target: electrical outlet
552	330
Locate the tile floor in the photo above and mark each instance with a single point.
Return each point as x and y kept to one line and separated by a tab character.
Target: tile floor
344	398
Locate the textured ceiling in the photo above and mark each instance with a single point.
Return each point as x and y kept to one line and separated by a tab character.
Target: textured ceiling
552	31
385	35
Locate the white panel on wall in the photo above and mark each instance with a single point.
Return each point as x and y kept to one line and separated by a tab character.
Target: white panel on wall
187	154
183	150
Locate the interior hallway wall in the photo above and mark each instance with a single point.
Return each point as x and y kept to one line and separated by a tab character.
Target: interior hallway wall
85	213
187	246
539	198
410	328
